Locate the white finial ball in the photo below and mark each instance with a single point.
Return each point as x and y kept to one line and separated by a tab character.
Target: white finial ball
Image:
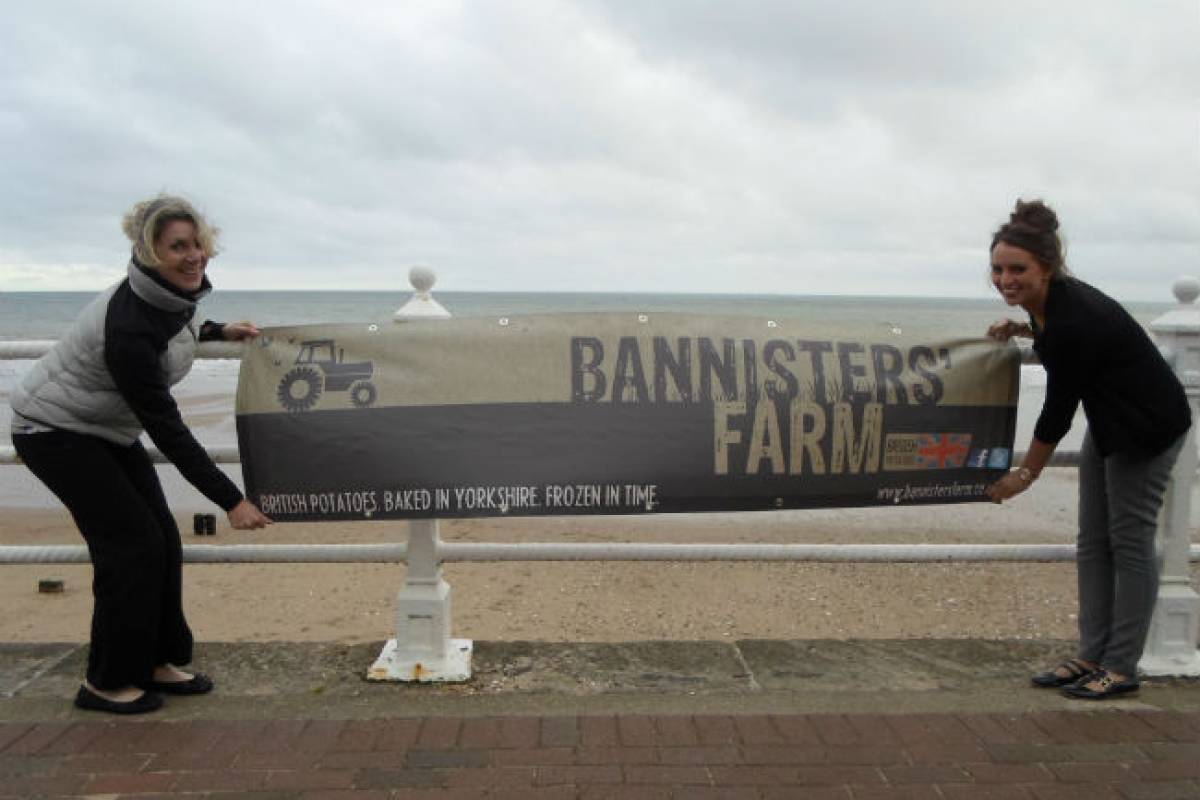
1186	289
422	278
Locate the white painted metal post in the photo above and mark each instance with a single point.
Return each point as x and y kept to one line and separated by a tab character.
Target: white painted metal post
421	305
423	650
1175	627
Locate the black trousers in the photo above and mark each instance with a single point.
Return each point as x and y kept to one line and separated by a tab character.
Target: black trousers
117	502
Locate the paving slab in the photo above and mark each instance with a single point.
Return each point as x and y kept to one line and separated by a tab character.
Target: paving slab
273	680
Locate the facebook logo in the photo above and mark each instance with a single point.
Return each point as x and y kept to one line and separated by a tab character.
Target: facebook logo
978	458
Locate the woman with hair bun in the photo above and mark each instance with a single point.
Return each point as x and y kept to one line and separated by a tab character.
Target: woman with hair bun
77	416
1096	354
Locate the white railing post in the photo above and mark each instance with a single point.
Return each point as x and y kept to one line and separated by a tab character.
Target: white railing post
423	650
1175	627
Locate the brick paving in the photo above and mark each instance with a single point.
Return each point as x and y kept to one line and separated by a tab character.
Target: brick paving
1050	755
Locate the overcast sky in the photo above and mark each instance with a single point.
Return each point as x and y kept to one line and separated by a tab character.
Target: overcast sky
783	146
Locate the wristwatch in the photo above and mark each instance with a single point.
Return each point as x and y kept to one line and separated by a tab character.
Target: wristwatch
1026	475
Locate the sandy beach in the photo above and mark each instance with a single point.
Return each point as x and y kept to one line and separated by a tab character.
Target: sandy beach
607	601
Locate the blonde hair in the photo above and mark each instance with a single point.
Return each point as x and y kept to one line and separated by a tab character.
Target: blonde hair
146	220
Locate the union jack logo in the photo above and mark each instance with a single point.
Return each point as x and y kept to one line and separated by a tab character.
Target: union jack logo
942	450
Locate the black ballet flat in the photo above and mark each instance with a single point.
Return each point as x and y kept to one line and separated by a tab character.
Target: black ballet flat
88	700
198	684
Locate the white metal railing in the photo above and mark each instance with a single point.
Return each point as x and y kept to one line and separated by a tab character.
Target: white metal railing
579	551
227	454
36	348
423	649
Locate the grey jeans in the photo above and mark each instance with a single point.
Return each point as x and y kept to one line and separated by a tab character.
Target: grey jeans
1119	499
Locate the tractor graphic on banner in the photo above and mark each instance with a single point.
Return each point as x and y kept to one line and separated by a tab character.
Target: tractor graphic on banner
319	368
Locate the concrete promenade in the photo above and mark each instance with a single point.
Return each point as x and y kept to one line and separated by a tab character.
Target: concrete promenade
754	719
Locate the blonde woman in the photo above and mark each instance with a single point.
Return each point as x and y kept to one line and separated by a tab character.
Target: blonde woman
77	416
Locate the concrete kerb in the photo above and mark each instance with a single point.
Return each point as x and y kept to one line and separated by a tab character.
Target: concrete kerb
288	680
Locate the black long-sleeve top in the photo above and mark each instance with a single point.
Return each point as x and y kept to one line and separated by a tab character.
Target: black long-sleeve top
1094	352
110	375
136	337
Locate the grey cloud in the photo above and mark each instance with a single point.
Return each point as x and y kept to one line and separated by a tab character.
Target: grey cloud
767	146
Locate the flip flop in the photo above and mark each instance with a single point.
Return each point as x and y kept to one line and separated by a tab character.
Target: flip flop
1109	687
1052	680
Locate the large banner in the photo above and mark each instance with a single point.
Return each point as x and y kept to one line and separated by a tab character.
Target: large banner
615	413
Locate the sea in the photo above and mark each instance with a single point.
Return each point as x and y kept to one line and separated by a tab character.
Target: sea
206	395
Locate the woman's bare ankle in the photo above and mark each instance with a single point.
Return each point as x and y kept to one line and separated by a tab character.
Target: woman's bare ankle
169	673
126	694
1066	671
